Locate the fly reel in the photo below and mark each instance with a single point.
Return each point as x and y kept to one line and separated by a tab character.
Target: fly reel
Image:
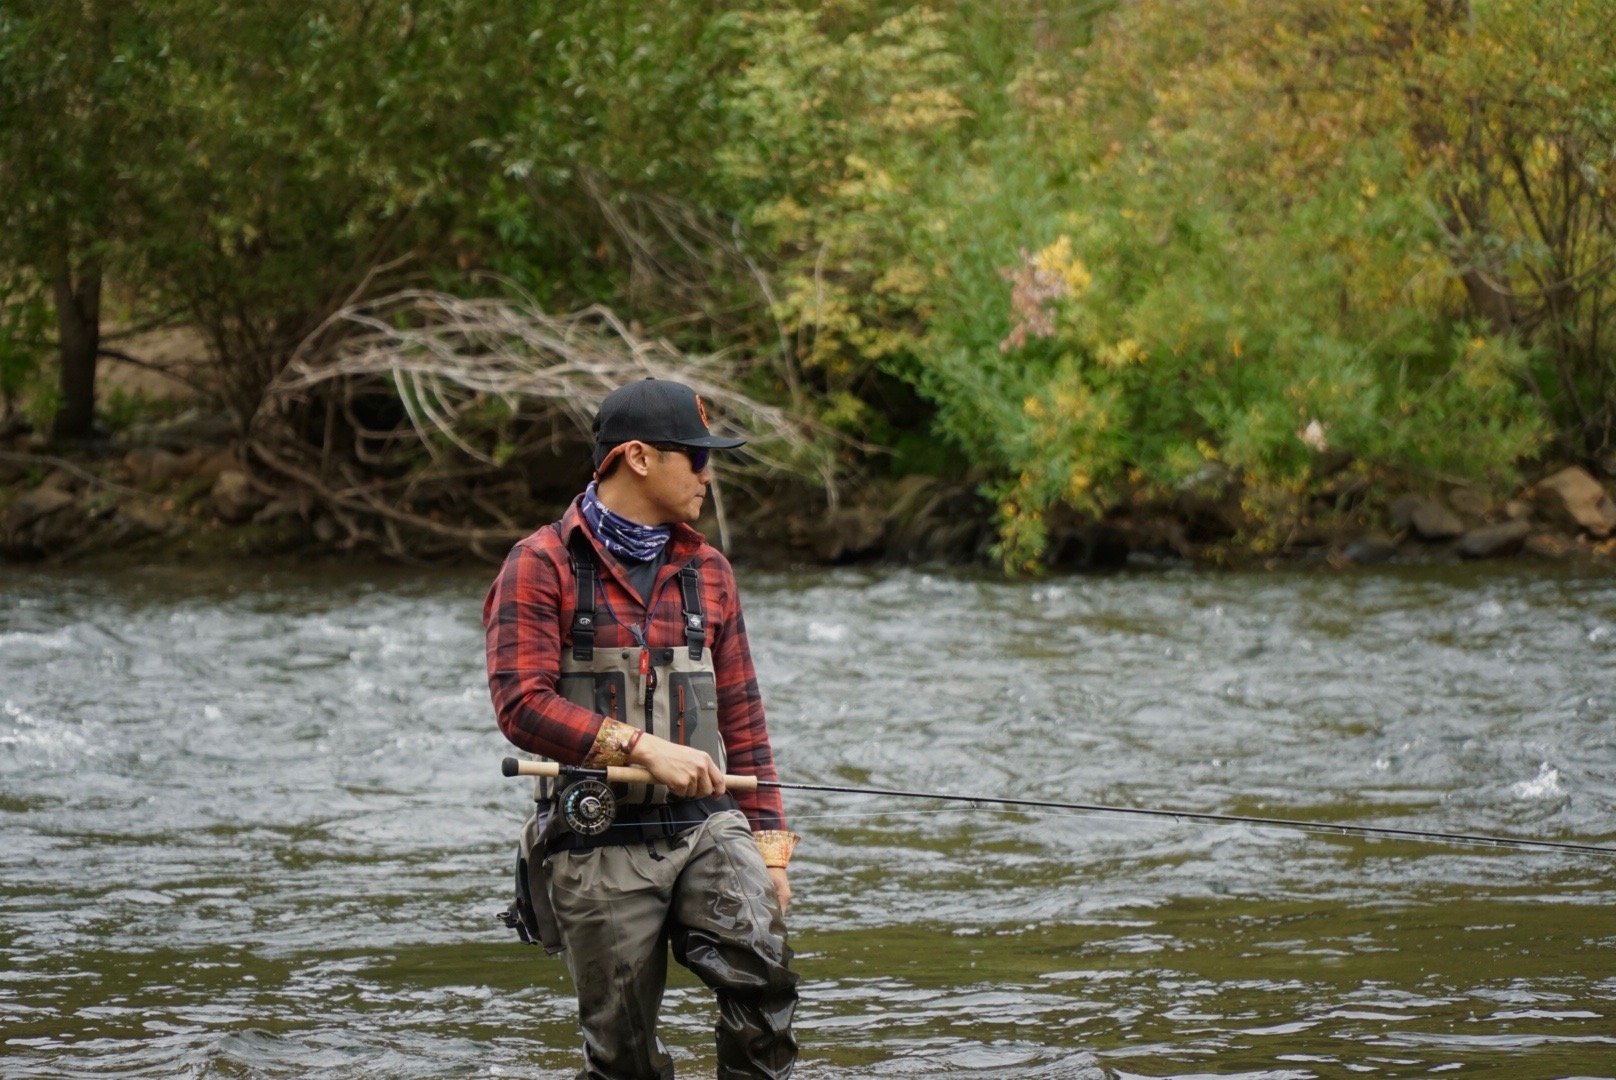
588	807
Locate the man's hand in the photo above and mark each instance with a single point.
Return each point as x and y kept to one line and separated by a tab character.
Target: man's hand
687	772
782	886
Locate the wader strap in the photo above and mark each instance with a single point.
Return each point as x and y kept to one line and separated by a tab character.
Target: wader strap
583	613
695	617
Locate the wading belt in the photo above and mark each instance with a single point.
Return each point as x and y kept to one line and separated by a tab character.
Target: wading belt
644	824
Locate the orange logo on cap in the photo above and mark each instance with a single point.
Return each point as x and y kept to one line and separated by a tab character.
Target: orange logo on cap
701	411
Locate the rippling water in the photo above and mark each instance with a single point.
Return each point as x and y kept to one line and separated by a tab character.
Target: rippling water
252	824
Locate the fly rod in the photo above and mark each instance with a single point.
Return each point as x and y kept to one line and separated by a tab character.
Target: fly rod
590	807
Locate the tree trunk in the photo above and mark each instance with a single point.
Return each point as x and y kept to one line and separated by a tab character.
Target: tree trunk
78	320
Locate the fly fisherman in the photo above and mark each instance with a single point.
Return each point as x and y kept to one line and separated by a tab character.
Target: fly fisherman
615	637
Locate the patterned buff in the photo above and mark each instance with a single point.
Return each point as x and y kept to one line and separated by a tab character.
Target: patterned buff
619	535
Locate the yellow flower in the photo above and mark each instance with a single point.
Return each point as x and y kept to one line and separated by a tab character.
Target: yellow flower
1057	260
1125	352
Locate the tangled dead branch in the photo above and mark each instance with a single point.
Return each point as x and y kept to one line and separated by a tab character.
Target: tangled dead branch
427	423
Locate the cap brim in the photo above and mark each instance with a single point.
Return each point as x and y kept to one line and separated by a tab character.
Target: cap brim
713	442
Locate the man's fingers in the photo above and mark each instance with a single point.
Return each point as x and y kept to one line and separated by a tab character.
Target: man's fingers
782	887
685	771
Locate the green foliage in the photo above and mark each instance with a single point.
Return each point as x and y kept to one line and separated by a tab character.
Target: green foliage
834	135
322	144
1113	248
84	125
1242	271
82	103
1524	179
24	317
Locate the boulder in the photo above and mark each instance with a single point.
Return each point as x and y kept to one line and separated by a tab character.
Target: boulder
32	506
235	499
60	480
1518	510
1370	549
1572	497
139	518
151	465
1470	503
211	464
1434	521
44	520
1494	541
1549	546
1401	512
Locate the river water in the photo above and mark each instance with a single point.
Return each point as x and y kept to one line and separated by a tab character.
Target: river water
252	825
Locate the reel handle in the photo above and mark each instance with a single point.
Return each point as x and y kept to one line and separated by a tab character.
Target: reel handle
615	774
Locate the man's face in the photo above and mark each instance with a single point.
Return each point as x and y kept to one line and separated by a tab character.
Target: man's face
674	486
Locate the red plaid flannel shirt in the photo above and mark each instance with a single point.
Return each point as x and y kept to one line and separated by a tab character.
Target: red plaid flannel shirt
532	601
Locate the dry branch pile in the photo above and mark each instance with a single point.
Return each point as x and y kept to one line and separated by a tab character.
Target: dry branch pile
428	424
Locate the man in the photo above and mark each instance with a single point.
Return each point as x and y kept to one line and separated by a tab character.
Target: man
615	637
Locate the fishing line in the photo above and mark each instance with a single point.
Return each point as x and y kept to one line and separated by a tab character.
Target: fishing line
891	815
1323	827
590	808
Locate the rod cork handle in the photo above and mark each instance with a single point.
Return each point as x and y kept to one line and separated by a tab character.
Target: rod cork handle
616	774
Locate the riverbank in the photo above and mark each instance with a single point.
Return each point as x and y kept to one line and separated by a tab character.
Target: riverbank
188	490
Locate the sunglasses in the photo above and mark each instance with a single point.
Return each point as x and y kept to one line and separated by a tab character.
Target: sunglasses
698	455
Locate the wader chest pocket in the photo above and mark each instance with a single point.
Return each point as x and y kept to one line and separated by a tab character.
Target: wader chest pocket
605	692
694	706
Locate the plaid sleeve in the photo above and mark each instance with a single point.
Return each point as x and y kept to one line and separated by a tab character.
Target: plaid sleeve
740	707
522	623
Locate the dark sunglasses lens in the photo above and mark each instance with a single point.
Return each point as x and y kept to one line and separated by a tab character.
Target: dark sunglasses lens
698	457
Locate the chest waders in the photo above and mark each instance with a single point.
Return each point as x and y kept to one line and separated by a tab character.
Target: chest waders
668	692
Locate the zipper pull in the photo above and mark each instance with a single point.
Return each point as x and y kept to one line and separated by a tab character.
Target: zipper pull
648	673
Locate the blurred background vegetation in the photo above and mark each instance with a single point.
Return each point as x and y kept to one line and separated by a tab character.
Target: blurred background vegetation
1089	255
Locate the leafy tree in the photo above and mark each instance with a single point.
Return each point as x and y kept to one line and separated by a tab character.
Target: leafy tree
82	115
325	146
1512	111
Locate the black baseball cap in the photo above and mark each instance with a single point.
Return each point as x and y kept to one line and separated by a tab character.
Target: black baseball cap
655	411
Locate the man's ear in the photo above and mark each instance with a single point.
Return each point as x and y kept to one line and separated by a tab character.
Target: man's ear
637	457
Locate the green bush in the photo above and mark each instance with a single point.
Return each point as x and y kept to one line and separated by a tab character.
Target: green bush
1227	258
